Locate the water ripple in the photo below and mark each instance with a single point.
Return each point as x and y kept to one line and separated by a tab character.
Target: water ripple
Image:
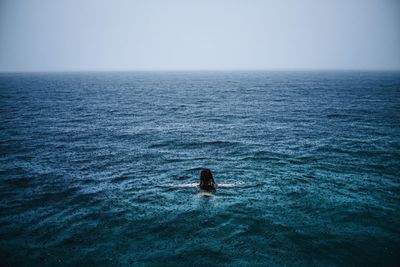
102	168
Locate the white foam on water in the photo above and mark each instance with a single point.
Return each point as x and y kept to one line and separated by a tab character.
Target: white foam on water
205	194
227	185
188	185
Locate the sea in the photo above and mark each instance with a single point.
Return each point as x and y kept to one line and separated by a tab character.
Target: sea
100	168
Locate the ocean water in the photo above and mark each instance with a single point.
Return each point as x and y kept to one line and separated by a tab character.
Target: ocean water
97	169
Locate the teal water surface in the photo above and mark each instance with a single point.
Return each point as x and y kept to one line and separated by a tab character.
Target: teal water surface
92	167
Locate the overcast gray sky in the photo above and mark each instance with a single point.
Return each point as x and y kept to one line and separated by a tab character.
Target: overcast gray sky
73	35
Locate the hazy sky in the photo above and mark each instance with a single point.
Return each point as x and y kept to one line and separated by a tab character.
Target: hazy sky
64	35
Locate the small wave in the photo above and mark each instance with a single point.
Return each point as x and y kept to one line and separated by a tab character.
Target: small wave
201	144
194	169
120	179
337	116
266	155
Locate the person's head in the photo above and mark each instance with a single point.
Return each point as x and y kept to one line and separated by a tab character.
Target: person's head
206	180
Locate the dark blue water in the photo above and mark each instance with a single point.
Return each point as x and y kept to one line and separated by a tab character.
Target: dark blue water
91	168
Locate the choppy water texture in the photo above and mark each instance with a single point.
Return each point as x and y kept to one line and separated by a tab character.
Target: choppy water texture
91	163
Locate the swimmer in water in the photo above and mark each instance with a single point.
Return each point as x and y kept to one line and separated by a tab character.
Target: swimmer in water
207	180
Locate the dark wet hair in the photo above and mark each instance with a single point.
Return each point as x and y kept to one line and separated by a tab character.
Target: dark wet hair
206	180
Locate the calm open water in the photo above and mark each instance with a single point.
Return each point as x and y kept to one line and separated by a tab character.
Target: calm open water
93	168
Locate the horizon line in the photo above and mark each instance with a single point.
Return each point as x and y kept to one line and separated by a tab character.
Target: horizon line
201	70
